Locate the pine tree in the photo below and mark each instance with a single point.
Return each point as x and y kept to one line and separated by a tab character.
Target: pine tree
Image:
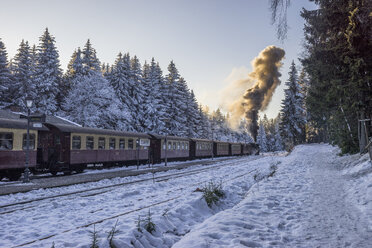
89	59
6	81
193	119
292	124
165	112
138	94
92	102
152	83
261	138
278	139
119	80
23	71
172	95
244	132
205	126
337	60
47	75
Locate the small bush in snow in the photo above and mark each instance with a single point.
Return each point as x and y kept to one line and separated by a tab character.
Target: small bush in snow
94	236
273	169
149	225
111	235
212	193
139	224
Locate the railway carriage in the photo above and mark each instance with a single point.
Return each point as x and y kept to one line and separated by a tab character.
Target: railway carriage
13	145
250	149
177	148
221	148
201	148
236	149
66	148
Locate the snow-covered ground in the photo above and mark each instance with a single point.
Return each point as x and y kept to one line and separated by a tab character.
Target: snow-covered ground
310	198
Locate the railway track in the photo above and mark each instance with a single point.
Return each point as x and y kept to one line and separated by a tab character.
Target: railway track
161	178
45	181
103	189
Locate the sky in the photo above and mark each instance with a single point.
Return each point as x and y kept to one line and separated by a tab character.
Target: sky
212	42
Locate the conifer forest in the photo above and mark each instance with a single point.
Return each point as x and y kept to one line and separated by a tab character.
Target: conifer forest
325	96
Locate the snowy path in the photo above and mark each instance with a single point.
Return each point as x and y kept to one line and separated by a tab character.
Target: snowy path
333	221
304	205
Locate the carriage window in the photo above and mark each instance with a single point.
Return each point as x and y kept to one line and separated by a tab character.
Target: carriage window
90	143
187	146
130	143
57	139
183	145
169	145
112	144
164	146
174	145
6	141
76	142
122	144
101	143
31	144
178	145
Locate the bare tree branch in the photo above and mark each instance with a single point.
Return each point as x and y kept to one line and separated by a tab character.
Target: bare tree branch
278	10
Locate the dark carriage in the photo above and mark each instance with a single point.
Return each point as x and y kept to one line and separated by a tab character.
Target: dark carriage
67	147
177	148
13	138
250	149
236	149
221	148
201	148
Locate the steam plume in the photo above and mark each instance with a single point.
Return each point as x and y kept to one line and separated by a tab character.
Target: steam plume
265	79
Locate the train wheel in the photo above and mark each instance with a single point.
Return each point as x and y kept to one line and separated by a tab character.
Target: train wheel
14	175
80	169
66	173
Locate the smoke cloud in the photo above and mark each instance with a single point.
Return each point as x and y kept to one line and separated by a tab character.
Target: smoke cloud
256	90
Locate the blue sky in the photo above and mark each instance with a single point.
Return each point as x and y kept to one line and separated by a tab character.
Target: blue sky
209	40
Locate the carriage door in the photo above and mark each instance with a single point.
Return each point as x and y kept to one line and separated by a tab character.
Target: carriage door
155	149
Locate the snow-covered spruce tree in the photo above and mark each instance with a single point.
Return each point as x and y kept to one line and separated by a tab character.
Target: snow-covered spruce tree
92	102
74	73
6	81
193	118
107	71
243	132
152	100
173	96
75	67
292	113
278	139
23	71
48	75
165	103
220	126
205	126
137	93
261	138
182	103
119	80
89	59
304	83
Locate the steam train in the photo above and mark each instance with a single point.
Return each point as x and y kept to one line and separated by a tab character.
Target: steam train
60	146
